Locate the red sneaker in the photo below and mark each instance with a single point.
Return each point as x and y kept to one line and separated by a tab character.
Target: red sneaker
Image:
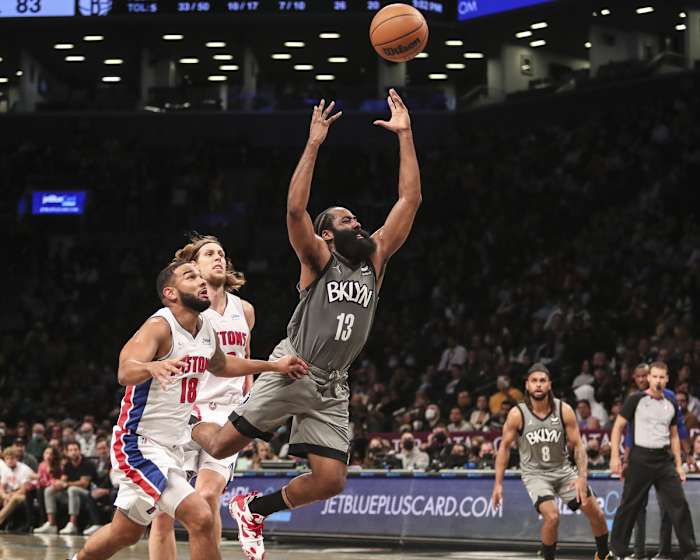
250	527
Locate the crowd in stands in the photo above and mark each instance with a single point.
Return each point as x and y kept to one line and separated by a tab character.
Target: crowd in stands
572	242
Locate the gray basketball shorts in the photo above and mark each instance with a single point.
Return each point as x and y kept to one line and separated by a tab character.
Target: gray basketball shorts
546	485
318	404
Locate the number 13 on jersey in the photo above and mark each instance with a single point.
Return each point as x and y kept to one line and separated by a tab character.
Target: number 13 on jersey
345	323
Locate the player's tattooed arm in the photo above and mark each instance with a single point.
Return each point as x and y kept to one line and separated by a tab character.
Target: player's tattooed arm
393	234
510	433
573	436
137	359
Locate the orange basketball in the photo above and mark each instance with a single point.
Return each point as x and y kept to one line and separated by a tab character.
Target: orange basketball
398	32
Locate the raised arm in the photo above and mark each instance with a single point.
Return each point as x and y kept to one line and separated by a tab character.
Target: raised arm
573	436
393	234
136	360
309	247
510	433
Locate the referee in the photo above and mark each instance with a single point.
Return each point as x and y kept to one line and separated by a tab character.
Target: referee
655	459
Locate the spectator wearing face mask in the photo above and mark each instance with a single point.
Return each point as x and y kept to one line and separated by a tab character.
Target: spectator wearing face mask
505	392
38	443
596	459
432	416
411	456
87	439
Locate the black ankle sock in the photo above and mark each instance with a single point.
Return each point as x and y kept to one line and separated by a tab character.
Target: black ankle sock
601	544
548	551
266	505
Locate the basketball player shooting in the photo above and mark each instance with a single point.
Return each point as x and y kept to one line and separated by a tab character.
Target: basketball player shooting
543	425
342	268
162	366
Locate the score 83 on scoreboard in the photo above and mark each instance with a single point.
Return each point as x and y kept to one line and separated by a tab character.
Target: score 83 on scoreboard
67	8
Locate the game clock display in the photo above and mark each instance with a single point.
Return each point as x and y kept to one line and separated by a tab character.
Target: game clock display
97	8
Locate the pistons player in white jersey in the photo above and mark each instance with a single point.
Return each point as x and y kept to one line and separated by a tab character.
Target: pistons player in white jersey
162	367
233	319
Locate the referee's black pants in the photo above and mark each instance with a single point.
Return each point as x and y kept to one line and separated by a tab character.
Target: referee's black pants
649	467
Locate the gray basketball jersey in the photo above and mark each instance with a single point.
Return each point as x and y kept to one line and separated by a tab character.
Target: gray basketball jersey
332	321
542	441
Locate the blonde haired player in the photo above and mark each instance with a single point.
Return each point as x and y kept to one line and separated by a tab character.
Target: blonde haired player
233	319
162	366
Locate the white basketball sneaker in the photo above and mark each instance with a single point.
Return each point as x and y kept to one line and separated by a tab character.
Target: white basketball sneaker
250	527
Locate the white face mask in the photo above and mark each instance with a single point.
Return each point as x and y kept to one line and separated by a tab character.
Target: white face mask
430	414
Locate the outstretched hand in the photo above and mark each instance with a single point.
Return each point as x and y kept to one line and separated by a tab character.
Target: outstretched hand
321	120
400	119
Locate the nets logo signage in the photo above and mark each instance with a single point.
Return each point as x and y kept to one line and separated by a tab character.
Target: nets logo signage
94	7
58	202
470	9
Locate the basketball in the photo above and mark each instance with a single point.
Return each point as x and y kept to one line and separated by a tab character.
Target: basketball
398	32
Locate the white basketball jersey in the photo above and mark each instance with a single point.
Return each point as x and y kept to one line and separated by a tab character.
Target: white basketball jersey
218	395
163	415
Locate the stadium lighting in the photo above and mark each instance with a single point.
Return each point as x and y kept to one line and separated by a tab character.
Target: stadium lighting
281	56
539	25
215	45
645	10
329	35
455	66
75	58
422	55
437	76
111	79
294	44
682	15
0	59
93	38
681	27
523	34
63	46
19	73
538	43
228	67
604	12
223	57
473	55
454	43
337	59
189	60
303	67
3	80
587	44
173	37
113	61
325	77
216	78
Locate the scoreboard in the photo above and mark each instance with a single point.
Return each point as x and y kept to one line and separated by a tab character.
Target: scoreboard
96	8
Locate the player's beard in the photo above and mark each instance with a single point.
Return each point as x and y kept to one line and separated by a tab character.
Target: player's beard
193	302
542	397
354	249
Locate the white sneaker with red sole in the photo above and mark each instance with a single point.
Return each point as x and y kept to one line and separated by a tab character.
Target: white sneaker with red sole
250	526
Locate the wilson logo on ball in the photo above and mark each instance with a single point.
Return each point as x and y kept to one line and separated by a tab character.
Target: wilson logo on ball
401	49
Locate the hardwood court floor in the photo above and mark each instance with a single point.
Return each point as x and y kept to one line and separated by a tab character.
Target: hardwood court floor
54	547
